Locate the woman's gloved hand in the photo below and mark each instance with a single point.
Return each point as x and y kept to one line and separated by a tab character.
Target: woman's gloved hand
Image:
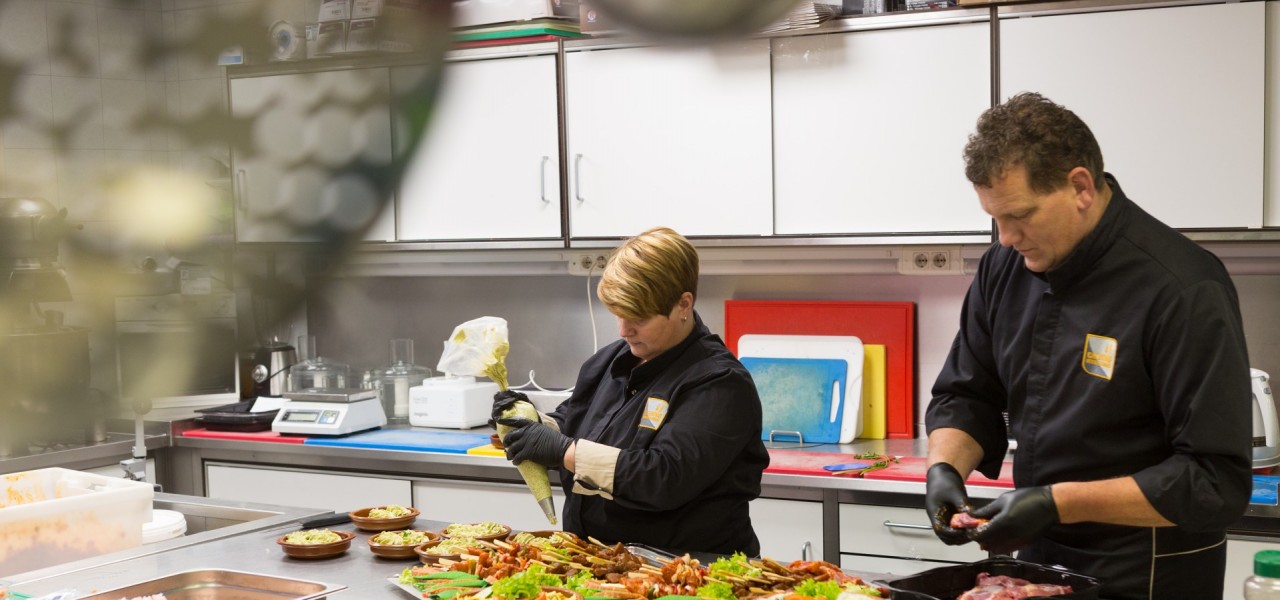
538	442
944	496
502	401
1018	518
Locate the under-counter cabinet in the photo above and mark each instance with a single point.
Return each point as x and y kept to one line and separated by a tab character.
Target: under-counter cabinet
488	166
311	140
869	129
895	540
304	489
674	136
1174	95
476	501
788	529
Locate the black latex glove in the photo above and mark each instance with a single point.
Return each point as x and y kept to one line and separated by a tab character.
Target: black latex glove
944	496
502	401
534	441
1018	518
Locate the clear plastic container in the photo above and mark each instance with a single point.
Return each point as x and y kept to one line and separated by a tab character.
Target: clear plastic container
53	516
316	371
395	380
1265	582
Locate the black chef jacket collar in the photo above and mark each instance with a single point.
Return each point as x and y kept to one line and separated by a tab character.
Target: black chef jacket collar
1094	245
625	365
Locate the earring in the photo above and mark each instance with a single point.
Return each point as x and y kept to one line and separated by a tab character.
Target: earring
684	318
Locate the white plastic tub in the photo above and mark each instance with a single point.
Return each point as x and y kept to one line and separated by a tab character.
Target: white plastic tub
53	516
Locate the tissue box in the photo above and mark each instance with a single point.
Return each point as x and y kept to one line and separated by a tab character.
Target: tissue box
53	516
451	402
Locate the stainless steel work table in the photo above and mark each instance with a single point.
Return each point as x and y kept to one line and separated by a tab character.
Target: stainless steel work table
364	574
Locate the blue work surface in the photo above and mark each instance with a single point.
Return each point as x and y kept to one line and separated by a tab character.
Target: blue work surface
797	394
1264	489
407	439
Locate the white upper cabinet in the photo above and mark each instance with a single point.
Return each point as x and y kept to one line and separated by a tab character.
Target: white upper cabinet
869	129
1174	96
310	134
677	137
489	164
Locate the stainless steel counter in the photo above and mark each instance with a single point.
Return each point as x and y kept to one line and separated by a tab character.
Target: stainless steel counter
253	551
208	521
117	447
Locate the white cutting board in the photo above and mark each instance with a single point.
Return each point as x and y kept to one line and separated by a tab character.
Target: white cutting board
846	347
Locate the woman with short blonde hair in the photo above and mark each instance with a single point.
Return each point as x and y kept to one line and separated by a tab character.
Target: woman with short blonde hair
660	442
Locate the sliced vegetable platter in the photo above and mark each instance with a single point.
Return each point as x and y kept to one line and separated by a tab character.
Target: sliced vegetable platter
562	566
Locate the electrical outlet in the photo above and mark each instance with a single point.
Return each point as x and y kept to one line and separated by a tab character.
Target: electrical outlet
930	260
587	264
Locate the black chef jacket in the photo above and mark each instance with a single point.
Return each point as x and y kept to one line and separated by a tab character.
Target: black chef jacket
688	426
1129	359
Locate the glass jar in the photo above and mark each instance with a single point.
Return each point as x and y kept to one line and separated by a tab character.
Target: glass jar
1265	582
315	371
398	378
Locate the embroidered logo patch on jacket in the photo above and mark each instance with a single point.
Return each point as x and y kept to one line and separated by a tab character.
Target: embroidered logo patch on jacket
655	410
1099	356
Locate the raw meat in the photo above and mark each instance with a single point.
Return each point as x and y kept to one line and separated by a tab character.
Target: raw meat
1003	587
964	520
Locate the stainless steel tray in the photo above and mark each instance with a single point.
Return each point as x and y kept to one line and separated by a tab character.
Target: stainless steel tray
212	584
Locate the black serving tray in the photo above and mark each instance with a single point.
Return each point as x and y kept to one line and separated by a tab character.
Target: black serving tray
946	583
236	417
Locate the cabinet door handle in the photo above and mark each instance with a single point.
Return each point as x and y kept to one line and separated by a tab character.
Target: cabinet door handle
241	190
542	182
577	177
892	525
805	551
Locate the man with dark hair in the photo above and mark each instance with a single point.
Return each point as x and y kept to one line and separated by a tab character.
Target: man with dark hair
1115	345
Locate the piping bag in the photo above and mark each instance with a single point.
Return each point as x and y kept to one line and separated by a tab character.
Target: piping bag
479	347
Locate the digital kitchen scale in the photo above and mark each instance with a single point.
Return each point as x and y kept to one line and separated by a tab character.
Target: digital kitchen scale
329	411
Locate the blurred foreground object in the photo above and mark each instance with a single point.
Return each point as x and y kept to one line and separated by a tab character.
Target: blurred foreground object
694	20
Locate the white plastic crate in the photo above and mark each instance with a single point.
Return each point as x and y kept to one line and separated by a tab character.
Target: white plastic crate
52	516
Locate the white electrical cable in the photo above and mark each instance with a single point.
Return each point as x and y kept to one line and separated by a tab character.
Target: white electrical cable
591	312
595	338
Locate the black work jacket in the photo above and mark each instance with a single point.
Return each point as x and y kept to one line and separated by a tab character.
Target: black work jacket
686	483
1128	360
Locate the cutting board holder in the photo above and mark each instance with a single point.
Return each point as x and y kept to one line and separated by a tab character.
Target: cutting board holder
889	323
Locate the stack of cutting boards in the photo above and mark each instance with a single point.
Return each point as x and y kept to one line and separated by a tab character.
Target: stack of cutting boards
817	388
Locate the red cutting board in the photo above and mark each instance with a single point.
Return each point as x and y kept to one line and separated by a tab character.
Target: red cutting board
889	323
251	436
799	462
913	468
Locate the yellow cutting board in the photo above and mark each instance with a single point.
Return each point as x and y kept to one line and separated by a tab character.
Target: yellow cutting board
487	450
873	392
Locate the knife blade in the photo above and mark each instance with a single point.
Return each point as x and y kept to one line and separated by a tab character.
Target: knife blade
333	519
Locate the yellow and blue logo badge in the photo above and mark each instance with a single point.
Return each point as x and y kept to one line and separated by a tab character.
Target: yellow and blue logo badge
1099	356
655	411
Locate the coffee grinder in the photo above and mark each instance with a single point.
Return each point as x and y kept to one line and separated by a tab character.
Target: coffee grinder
43	362
273	356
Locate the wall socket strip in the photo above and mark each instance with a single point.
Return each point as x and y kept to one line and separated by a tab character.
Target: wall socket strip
588	264
930	260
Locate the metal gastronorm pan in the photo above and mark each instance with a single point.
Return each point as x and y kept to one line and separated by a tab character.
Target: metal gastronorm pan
212	584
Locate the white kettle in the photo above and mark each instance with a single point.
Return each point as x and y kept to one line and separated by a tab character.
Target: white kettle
1266	428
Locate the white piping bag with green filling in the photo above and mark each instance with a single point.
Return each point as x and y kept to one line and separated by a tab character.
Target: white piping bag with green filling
479	348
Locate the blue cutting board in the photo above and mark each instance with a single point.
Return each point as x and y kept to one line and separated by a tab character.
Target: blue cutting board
1264	489
800	394
407	439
